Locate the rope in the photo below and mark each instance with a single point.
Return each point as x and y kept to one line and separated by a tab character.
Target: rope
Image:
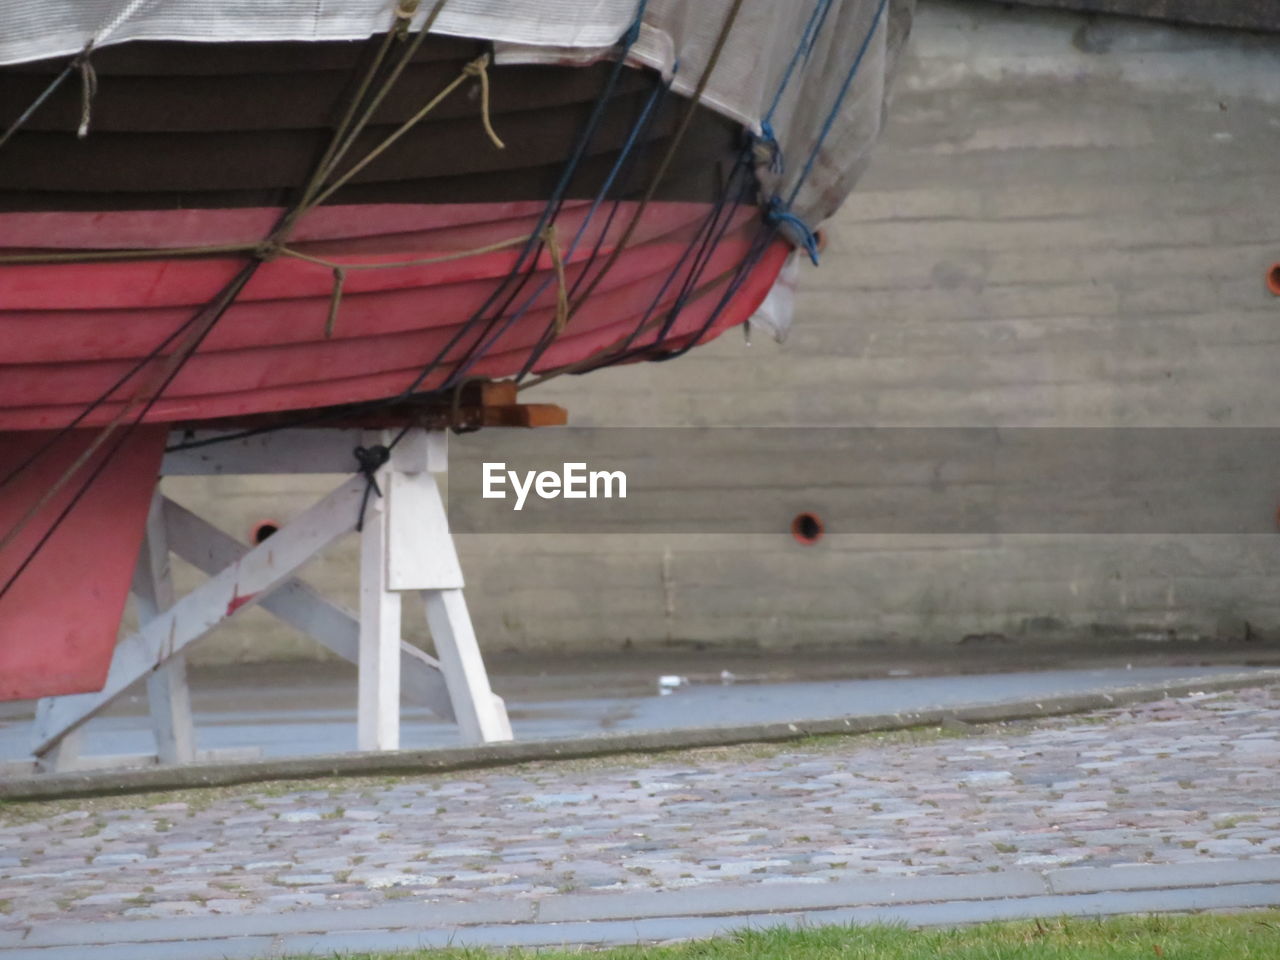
801	234
404	13
45	94
335	300
562	293
803	49
707	238
669	156
350	128
479	68
467	71
624	160
88	90
550	211
825	131
422	262
370	460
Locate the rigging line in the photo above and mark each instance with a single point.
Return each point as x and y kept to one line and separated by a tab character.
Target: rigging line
258	246
48	91
663	89
168	371
825	130
322	167
177	362
98	401
621	349
468	71
669	156
739	275
281	228
553	330
703	240
422	262
553	204
807	37
81	63
764	237
344	139
816	22
709	245
321	416
93	256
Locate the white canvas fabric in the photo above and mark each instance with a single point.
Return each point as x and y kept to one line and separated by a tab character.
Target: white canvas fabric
677	37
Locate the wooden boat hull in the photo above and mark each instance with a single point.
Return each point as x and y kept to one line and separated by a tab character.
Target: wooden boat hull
197	146
194	148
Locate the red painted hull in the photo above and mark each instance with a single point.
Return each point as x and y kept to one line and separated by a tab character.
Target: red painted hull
58	621
70	331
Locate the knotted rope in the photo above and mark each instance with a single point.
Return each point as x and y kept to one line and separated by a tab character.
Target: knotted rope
479	68
370	460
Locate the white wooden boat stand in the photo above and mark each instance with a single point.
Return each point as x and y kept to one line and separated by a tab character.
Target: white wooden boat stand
405	547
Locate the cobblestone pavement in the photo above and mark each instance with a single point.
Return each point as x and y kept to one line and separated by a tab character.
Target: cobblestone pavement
1179	781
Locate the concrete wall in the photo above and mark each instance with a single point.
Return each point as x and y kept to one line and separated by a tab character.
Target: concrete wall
1067	223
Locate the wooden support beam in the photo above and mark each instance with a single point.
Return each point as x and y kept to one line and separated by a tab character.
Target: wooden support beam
292	450
168	695
209	549
482	718
378	692
64	755
405	546
239	586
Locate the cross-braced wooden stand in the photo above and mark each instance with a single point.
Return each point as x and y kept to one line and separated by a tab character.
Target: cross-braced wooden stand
405	547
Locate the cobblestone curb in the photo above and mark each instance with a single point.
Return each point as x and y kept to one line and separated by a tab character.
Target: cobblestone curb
411	762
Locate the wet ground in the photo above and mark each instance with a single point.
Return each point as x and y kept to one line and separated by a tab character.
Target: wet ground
301	709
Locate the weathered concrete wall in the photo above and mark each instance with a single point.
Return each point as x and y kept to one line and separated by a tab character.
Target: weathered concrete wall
1067	223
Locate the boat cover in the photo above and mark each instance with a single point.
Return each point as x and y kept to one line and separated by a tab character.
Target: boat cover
784	68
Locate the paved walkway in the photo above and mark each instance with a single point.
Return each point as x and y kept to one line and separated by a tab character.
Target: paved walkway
1185	788
290	718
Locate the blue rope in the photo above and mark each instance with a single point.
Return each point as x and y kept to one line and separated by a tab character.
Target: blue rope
759	246
803	50
777	212
777	215
663	90
706	239
603	192
774	217
554	203
835	108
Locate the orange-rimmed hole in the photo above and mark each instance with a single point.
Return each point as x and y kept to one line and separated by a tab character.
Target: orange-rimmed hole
807	528
264	529
1273	279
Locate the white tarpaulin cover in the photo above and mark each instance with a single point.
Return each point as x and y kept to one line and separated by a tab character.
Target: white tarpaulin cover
814	43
